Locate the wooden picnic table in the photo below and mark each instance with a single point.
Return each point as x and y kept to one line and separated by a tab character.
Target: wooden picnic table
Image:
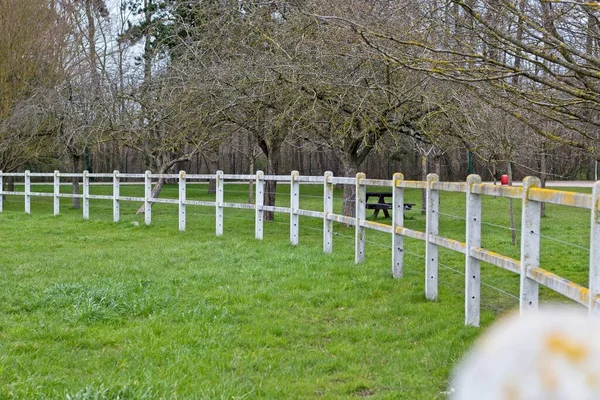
382	205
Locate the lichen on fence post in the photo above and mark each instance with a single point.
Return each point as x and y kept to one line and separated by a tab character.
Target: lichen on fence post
56	194
182	201
116	189
530	245
472	264
397	222
327	209
431	249
260	201
219	202
147	198
27	192
360	234
1	190
594	307
294	206
86	195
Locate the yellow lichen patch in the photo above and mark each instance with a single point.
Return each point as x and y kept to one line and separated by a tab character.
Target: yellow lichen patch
595	302
413	184
542	275
574	351
450	186
498	260
592	380
496	190
571	199
510	392
378	226
584	293
560	285
548	377
512	191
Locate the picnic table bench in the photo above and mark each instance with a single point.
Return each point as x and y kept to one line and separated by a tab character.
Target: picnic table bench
382	205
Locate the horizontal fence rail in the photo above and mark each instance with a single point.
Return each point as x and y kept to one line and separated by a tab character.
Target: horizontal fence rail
531	195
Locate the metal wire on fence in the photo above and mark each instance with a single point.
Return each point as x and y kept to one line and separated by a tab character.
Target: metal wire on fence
530	233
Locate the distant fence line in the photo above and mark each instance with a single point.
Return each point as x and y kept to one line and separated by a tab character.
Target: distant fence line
531	195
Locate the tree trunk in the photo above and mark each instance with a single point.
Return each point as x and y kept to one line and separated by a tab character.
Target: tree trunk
543	174
423	178
116	156
155	192
76	158
251	183
156	189
91	39
437	165
511	209
213	166
349	204
10	183
271	186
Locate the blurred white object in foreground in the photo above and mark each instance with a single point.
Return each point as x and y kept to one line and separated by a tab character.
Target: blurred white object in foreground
553	354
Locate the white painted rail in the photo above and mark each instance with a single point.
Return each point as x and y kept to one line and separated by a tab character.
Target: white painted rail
531	195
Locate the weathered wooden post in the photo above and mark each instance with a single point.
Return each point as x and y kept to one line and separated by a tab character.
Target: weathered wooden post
219	202
1	190
147	198
472	264
260	201
182	201
27	192
327	209
361	214
294	206
86	195
530	245
431	228
56	194
594	308
397	222
116	189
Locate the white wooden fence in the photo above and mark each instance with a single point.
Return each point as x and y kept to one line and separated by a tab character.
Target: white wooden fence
531	195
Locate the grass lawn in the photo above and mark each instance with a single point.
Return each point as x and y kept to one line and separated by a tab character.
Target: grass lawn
93	309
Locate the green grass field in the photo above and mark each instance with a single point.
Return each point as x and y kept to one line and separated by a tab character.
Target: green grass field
94	310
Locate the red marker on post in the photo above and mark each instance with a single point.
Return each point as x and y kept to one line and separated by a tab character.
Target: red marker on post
504	180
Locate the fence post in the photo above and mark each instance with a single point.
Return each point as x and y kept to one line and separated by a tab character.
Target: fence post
27	192
86	195
431	249
116	187
397	222
472	264
327	209
1	190
260	201
219	202
147	198
294	206
361	214
56	193
594	285
182	200
530	245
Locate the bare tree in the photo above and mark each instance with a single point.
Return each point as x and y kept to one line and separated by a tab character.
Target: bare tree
30	57
534	59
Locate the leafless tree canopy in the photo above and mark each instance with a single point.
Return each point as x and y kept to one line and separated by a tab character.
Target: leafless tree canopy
301	84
